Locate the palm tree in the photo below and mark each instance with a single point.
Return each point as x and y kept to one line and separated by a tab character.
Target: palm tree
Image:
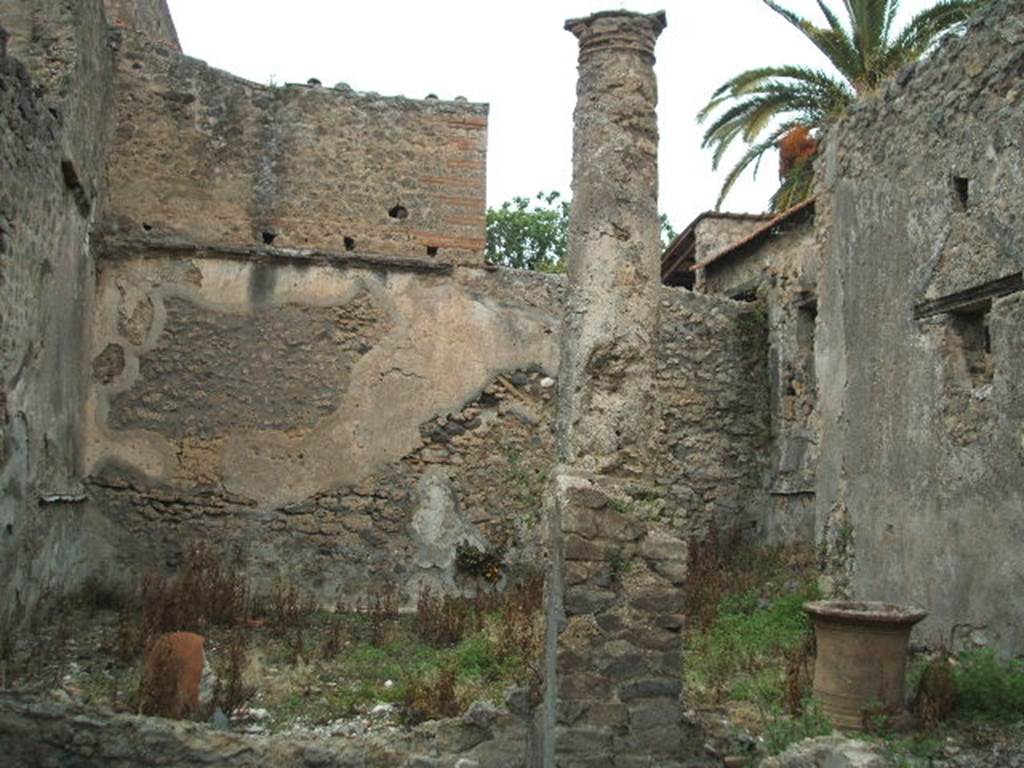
777	100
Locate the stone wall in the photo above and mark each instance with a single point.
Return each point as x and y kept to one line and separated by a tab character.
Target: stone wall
778	272
326	415
149	18
713	440
921	326
296	406
36	731
716	232
207	157
55	76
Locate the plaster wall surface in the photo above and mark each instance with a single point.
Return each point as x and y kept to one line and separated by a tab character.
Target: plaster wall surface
921	475
203	155
299	405
55	75
293	410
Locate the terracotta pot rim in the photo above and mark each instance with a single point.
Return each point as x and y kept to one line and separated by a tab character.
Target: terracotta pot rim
865	611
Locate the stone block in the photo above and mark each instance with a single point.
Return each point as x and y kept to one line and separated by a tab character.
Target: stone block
616	526
673	571
643	717
589	498
657	600
653	638
657	545
584	685
580	572
628	667
577	548
606	714
655	741
611	622
652	688
579	600
584	740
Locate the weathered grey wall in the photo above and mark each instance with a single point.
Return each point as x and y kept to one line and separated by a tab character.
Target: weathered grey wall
779	272
203	155
716	232
55	80
921	473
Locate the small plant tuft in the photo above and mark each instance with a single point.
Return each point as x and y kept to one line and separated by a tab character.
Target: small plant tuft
486	564
936	691
441	621
436	698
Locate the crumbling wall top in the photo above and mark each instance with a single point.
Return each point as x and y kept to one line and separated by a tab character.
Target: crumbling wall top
149	18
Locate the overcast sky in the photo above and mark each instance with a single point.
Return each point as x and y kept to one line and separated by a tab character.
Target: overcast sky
517	57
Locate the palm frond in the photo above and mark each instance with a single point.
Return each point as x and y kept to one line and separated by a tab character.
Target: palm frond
752	155
796	187
834	42
867	19
860	47
929	25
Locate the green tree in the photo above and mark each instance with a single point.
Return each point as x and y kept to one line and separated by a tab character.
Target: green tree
529	236
527	233
760	106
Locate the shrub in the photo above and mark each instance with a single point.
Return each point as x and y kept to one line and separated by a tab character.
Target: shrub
441	621
936	692
486	564
204	591
988	687
520	628
230	691
286	607
434	699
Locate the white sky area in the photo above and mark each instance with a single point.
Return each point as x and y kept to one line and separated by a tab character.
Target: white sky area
517	57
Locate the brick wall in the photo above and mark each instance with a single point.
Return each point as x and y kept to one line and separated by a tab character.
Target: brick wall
203	156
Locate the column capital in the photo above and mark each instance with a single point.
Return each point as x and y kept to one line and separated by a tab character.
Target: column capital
618	31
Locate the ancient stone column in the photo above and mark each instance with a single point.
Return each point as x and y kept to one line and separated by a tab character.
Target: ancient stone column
614	590
607	371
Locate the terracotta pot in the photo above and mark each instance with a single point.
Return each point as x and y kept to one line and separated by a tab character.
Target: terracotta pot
862	658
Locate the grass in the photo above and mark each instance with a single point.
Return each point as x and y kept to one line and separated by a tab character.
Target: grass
749	628
749	652
749	645
278	652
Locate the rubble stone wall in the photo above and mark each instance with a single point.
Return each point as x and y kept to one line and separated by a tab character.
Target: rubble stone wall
921	471
713	441
207	157
326	415
150	18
